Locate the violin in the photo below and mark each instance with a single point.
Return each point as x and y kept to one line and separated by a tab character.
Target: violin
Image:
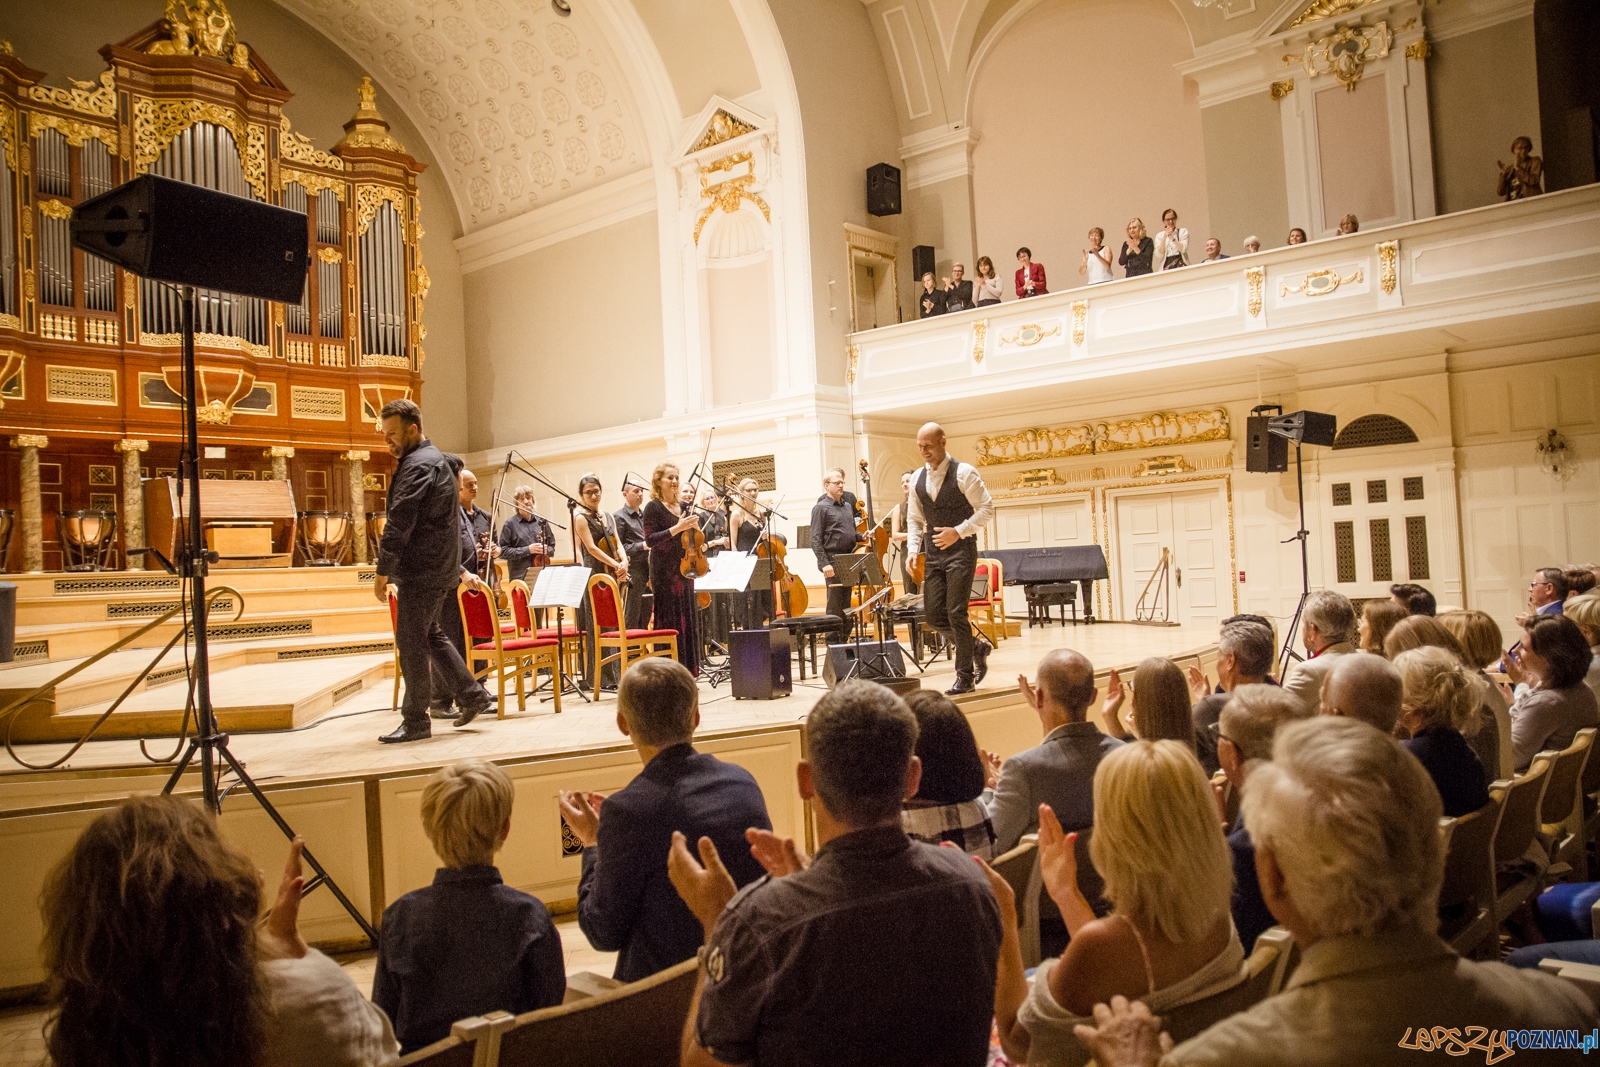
695	564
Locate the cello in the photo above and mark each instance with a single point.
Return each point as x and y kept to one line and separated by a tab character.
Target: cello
877	536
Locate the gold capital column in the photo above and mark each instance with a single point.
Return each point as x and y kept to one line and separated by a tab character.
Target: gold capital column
132	501
280	456
358	502
32	506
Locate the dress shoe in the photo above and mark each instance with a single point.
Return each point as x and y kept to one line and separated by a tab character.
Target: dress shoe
980	653
405	733
963	685
468	714
444	712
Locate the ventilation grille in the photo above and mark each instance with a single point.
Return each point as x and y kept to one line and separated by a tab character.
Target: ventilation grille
306	402
30	650
166	677
1416	547
1382	561
149	609
335	650
1413	488
349	689
366	575
96	586
248	631
1344	550
762	468
1371	431
1341	494
80	385
1378	492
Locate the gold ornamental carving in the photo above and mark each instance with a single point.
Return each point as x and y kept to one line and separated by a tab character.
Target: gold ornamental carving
1282	89
356	455
729	193
312	183
219	389
11	363
201	28
31	440
297	148
206	340
1388	266
1080	314
1320	283
54	209
84	97
157	122
1028	334
129	444
8	136
368	199
420	283
330	255
1346	52
722	127
1160	466
1326	9
10	322
1419	50
1157	429
74	131
1037	479
854	354
1255	278
980	330
368	129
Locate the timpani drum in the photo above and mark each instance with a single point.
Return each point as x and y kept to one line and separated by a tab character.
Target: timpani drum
324	537
88	539
375	524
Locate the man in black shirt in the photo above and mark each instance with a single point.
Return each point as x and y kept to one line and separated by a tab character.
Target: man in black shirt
630	526
834	533
420	552
882	950
526	540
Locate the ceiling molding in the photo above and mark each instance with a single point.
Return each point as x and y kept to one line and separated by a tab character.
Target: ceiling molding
578	214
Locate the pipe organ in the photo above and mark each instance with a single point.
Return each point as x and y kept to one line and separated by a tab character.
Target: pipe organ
89	354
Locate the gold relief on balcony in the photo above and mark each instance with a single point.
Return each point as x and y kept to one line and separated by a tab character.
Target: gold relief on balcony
1159	466
854	354
1320	283
1028	334
1256	278
1080	314
1036	443
980	330
1159	428
1388	266
1345	52
1037	479
218	388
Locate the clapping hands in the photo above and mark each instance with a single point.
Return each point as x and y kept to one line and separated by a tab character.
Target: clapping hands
778	856
1058	858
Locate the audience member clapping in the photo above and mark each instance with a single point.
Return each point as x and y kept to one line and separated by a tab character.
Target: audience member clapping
1244	656
1327	629
1137	251
1350	861
152	955
1441	704
987	290
957	290
949	805
1168	940
1160	704
1416	599
1554	704
1252	244
1546	593
1172	243
930	300
1479	637
1378	617
467	944
1096	258
1367	688
1030	275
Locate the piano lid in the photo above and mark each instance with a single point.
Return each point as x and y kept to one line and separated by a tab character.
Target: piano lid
1064	563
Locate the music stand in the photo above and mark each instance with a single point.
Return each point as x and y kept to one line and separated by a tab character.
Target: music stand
862	571
731	572
560	588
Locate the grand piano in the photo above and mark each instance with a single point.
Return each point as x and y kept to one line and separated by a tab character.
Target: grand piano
1037	568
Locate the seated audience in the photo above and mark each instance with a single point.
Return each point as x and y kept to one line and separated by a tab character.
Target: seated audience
1327	628
1440	706
987	290
1580	580
1252	244
1424	631
1244	656
1214	250
1366	688
1479	637
1059	771
957	290
1160	704
930	300
1297	236
1250	721
1349	224
1350	860
1137	251
1096	258
1555	704
626	904
1546	593
1414	598
1172	243
949	803
1584	611
880	950
152	954
467	944
1030	275
1167	941
1378	617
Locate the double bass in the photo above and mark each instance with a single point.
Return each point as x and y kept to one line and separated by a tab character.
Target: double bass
791	591
877	537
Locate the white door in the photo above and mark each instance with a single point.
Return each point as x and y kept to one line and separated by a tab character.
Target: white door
1064	522
1192	528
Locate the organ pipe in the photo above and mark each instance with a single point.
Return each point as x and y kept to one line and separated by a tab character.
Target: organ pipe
383	284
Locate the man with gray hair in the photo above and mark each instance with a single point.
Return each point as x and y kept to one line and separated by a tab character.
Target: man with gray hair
1346	826
1249	722
1328	630
1244	656
1364	687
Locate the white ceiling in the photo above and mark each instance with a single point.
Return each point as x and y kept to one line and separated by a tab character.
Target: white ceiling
521	107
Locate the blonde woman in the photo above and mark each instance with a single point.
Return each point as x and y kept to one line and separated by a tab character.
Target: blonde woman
1425	631
1440	705
755	606
663	520
1096	263
1480	639
986	289
1137	251
1167	941
1161	704
1584	611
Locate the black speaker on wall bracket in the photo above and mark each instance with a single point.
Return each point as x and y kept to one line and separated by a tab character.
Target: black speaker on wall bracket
883	190
1265	452
922	262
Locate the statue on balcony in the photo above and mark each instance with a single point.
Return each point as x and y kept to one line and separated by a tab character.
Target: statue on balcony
1525	176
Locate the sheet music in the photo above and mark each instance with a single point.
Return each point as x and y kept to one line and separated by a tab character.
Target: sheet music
730	573
559	587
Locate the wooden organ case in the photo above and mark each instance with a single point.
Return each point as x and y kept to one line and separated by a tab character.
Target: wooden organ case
90	367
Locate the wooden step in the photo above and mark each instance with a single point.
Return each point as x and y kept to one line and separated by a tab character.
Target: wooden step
127	584
47	611
75	640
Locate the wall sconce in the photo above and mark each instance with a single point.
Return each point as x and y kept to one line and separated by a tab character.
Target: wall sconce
1552	449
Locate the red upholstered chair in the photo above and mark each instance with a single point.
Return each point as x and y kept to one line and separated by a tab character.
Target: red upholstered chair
571	637
983	612
605	598
394	626
480	624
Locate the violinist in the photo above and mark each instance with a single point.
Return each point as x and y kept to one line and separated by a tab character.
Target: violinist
630	525
834	533
526	541
479	524
715	620
665	520
601	554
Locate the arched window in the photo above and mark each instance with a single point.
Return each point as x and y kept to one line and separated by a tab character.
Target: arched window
1371	431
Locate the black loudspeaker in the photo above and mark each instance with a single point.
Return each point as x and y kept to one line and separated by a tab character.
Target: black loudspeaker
180	233
883	190
1265	452
1307	427
841	663
922	262
760	661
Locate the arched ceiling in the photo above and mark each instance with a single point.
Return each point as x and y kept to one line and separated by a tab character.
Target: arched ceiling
521	106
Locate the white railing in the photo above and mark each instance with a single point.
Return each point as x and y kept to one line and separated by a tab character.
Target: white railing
1540	254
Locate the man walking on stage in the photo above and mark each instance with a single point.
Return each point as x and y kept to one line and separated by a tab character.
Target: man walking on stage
421	553
833	533
949	504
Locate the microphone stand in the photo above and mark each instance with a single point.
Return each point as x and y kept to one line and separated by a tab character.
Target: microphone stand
568	686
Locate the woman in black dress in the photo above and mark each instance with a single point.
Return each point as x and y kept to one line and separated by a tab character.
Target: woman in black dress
1137	251
754	608
674	594
593	528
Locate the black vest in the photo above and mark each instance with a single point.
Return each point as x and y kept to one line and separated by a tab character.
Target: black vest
951	508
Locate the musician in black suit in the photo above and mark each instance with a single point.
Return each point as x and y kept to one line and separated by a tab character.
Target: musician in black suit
630	527
477	552
526	540
834	533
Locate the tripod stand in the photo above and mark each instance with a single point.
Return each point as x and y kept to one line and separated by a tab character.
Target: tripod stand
209	743
1305	564
861	570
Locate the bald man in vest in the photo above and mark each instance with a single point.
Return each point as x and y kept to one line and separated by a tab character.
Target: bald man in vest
949	504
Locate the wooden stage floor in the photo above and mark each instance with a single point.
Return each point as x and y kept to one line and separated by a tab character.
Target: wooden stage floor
344	742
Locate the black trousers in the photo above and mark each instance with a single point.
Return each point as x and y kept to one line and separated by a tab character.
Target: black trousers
637	609
839	603
946	588
432	667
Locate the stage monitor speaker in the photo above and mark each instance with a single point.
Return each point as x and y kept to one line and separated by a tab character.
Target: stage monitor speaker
760	661
1307	427
1265	452
883	190
922	262
180	233
841	663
